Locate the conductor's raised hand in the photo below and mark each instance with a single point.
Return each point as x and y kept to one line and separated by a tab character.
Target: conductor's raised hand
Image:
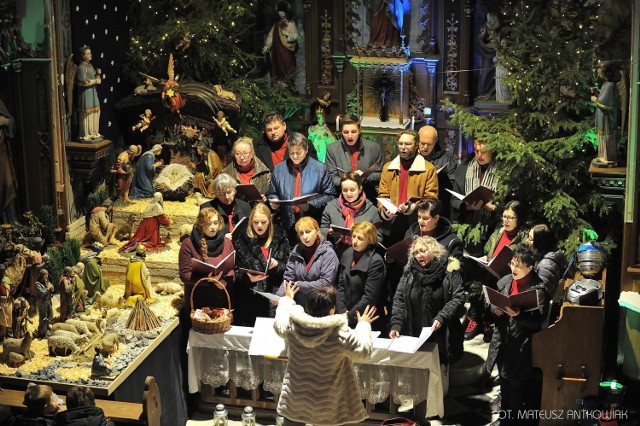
290	288
369	314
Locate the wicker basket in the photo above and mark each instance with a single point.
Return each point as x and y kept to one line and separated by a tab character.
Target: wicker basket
222	322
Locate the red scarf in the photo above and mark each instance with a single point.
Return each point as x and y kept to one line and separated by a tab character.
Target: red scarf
277	154
405	165
354	156
296	189
245	173
505	240
356	257
349	212
308	252
518	286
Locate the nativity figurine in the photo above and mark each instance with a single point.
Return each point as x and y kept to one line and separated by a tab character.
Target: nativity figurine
101	230
145	121
122	173
148	232
44	293
223	124
138	280
142	184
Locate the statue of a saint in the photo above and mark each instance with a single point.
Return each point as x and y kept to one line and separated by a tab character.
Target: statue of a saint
607	102
282	43
87	78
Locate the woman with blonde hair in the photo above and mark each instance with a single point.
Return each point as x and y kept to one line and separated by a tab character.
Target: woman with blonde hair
246	167
209	244
429	294
265	250
313	262
361	275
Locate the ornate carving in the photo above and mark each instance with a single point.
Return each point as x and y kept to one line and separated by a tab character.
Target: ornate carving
417	103
326	66
394	65
425	22
468	8
352	19
306	6
353	102
452	62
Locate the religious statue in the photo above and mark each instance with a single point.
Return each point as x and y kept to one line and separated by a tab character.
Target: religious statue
281	44
122	173
101	229
138	281
142	185
488	38
79	290
8	182
607	102
145	121
148	232
503	95
208	166
6	303
320	135
20	317
93	280
67	286
223	124
44	293
87	78
386	21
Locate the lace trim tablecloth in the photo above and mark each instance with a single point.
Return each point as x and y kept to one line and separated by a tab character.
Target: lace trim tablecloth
216	359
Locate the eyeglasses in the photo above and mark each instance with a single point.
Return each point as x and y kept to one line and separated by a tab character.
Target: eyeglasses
242	154
421	250
513	265
223	193
509	218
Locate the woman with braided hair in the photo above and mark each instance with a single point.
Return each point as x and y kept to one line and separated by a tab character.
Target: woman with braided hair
207	243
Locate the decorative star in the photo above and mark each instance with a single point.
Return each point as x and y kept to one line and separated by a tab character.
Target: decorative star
170	92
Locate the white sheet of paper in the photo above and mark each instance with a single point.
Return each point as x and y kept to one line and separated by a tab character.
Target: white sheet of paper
272	297
265	341
404	344
456	194
442	168
388	204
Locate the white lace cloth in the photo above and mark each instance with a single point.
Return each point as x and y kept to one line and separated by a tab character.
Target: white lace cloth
215	359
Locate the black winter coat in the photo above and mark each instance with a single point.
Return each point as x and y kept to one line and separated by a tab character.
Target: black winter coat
510	344
550	269
262	148
249	256
360	285
240	209
443	302
82	416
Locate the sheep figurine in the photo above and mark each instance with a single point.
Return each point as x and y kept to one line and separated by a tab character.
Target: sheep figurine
112	298
168	288
19	346
80	326
110	343
62	346
77	338
64	326
15	360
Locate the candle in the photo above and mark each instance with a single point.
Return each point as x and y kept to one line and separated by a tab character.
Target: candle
413	122
337	123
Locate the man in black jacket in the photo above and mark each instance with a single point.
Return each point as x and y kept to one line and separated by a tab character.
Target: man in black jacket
431	150
271	147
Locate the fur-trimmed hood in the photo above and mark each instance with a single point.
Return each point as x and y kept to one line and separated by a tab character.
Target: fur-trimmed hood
313	331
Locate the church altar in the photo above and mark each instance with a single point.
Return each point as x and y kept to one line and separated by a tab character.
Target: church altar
215	360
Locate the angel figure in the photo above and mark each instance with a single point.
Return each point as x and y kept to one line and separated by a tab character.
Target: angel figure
174	94
145	121
86	78
224	125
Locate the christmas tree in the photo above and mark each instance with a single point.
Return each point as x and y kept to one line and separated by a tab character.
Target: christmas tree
211	42
542	142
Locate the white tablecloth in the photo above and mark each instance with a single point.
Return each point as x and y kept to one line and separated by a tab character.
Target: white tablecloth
408	377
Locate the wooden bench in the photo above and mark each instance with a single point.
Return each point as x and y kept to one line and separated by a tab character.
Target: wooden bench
148	412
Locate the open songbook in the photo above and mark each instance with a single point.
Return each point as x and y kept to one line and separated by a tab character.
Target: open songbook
527	300
248	191
297	200
225	265
253	271
404	344
499	265
481	193
399	251
389	205
240	226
